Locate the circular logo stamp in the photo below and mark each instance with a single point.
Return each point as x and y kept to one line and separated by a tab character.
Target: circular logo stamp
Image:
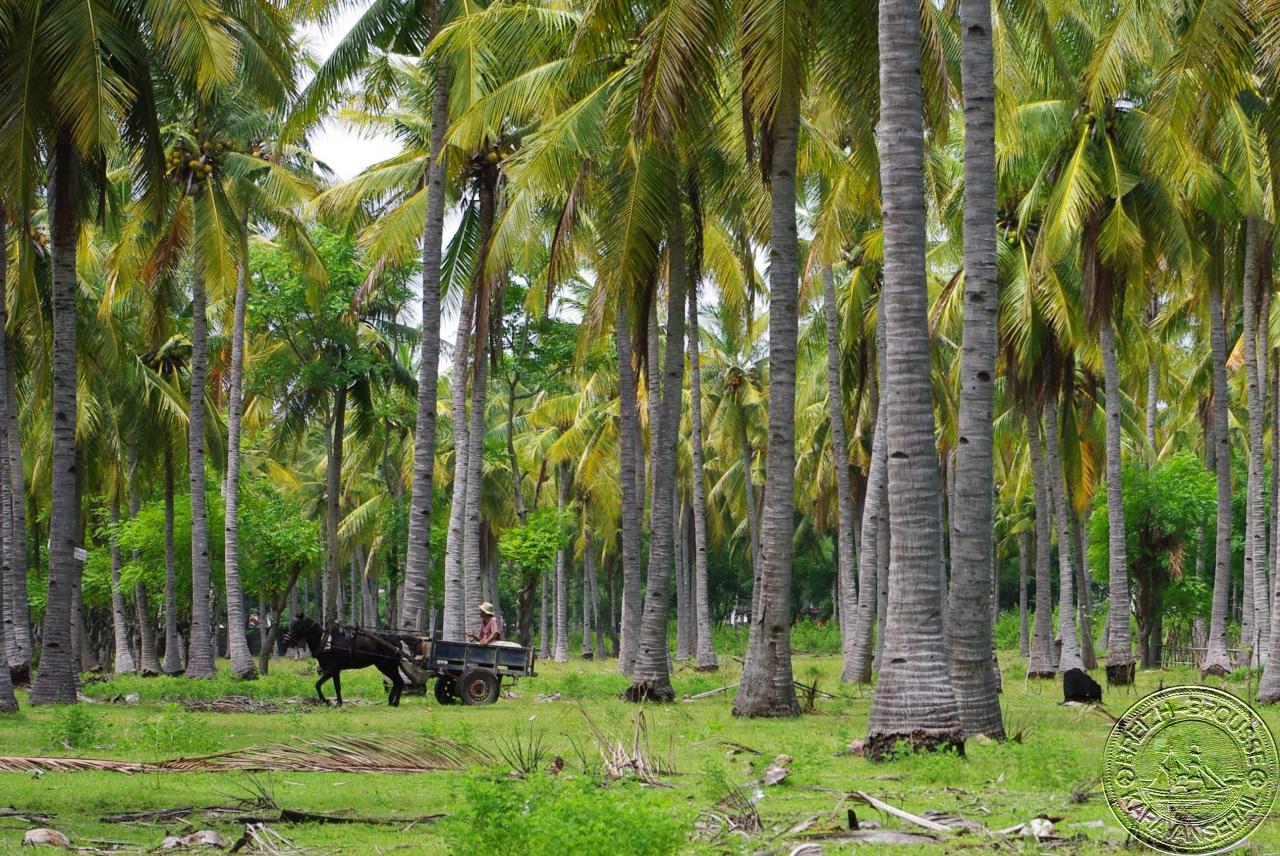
1190	770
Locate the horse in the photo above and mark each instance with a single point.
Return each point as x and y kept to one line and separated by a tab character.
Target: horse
347	649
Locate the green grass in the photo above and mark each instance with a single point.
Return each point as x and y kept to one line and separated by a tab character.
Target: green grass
1060	751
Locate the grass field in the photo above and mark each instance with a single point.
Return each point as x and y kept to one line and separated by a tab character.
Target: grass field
1051	768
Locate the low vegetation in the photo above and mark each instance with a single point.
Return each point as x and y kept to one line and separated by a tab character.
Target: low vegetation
563	799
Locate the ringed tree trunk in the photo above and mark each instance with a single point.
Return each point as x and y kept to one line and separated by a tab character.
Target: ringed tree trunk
472	567
1084	603
544	618
172	644
454	595
1217	658
237	644
148	663
200	653
1024	559
56	680
875	523
632	512
1257	633
590	601
8	700
684	638
913	701
561	596
651	672
119	620
1120	639
332	504
1070	657
417	565
767	687
16	603
845	557
969	608
1040	664
705	655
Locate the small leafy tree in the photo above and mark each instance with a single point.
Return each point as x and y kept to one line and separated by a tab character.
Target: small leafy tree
529	550
1164	507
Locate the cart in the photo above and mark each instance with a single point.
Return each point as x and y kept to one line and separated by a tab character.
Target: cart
465	672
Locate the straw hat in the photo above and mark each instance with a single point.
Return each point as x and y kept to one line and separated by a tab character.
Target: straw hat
486	608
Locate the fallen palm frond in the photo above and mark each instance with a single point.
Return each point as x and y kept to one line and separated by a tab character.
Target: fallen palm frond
338	755
635	758
230	704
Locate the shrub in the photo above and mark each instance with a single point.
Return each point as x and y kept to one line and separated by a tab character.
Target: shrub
74	726
541	814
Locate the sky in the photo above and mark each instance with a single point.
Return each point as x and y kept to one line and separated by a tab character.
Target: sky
346	150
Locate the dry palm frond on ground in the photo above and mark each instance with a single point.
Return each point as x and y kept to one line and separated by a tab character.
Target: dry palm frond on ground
345	754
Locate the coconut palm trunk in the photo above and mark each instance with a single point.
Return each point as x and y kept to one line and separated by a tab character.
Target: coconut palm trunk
1217	658
56	680
1254	634
705	655
969	623
124	664
767	687
1120	639
237	646
1269	686
875	523
148	661
454	594
1084	602
1024	559
472	566
17	608
590	601
8	700
651	672
172	643
332	504
684	639
417	563
845	557
1041	662
561	594
1070	657
632	513
200	653
913	701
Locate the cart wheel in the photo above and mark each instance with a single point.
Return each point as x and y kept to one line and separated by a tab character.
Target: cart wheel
446	690
479	687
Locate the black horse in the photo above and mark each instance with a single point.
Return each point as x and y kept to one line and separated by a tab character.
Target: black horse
346	648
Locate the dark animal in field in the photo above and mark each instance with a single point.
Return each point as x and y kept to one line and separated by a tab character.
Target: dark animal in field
1078	686
347	648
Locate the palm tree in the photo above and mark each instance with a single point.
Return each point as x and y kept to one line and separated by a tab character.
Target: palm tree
914	701
632	513
767	688
875	528
651	671
1041	662
848	601
969	628
56	680
1070	656
706	653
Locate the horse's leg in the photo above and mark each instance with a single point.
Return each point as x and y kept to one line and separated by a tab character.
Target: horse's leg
397	684
324	676
337	685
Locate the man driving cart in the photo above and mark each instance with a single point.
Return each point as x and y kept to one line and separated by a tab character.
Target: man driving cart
490	626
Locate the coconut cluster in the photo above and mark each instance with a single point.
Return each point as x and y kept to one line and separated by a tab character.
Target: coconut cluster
185	164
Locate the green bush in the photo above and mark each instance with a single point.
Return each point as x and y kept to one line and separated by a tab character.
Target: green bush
74	726
173	732
542	814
